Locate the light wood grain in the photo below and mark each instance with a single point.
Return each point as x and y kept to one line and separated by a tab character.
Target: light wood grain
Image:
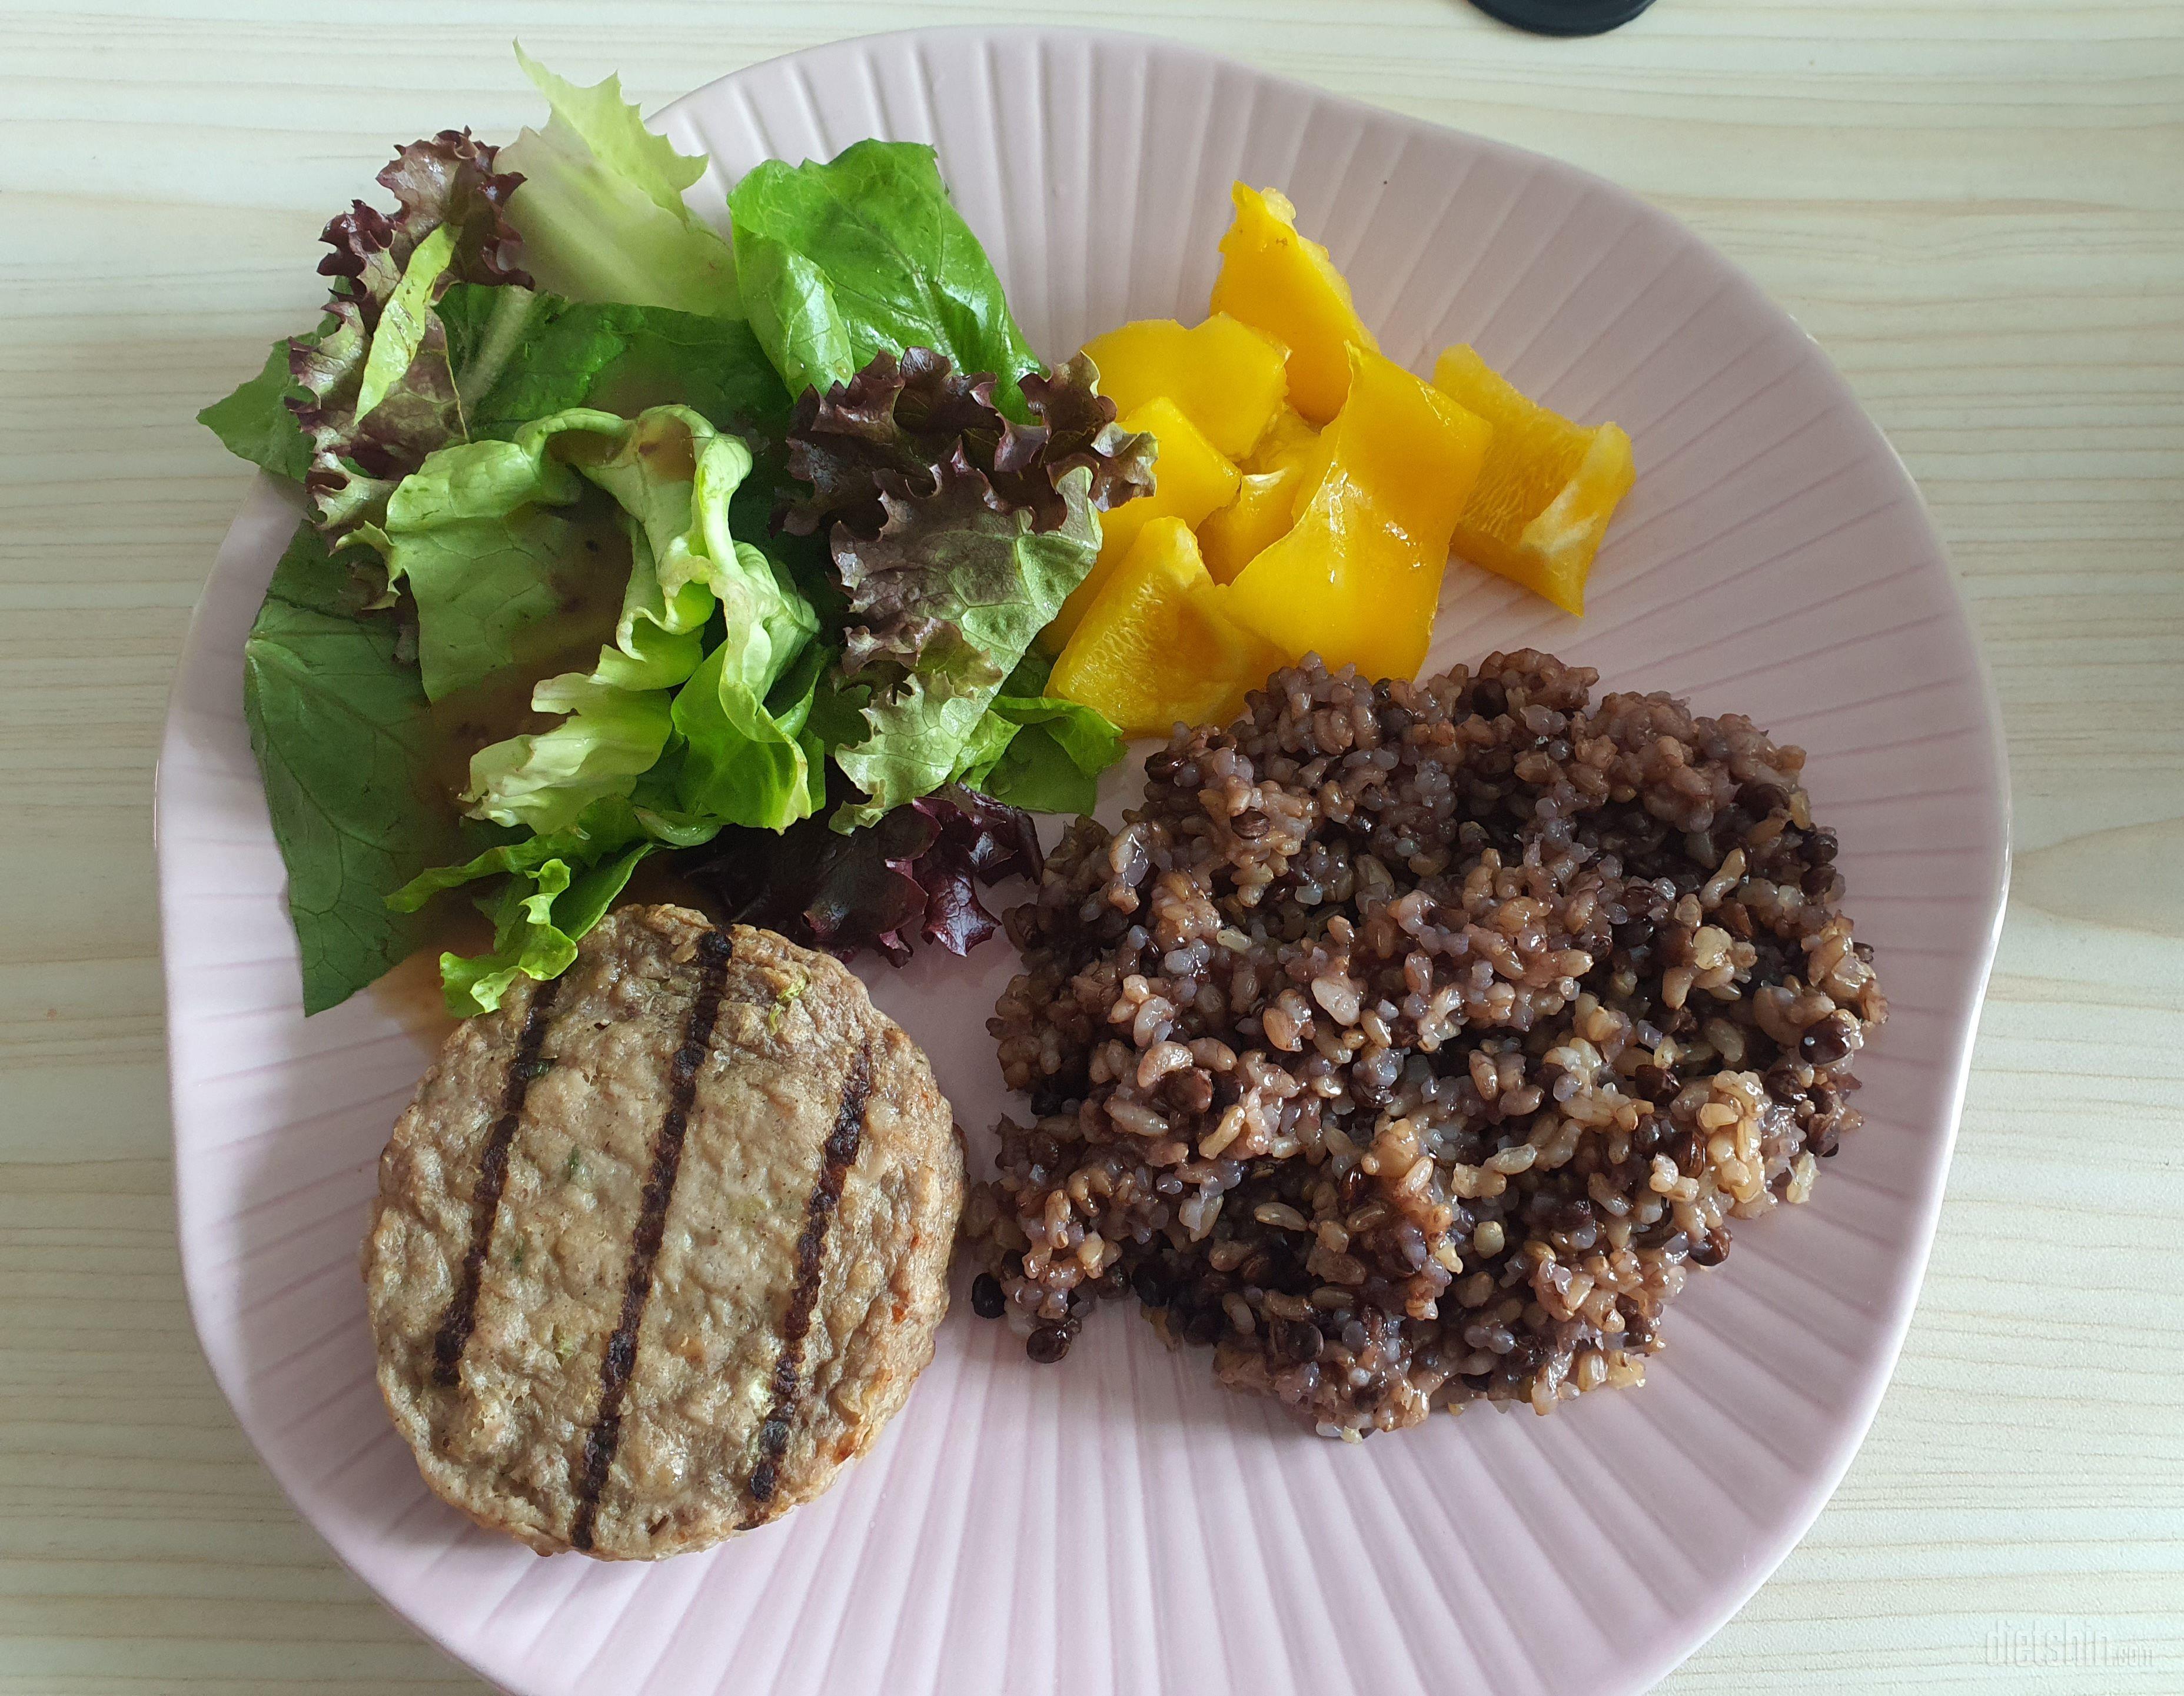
1977	206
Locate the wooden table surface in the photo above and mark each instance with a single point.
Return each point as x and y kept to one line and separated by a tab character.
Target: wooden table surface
1977	207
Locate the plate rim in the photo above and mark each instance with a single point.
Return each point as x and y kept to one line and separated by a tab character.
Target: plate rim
1890	1332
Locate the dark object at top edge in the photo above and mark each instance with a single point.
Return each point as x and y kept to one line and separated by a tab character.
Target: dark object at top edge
1564	17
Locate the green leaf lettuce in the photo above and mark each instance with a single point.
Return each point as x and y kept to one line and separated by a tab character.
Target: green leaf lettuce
520	356
600	208
478	535
343	733
1039	752
868	255
254	422
989	582
558	887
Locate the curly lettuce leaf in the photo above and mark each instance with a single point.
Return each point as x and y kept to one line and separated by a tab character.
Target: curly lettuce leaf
473	515
558	886
914	574
867	255
959	590
955	533
524	938
913	873
604	830
372	413
889	426
538	917
601	211
342	731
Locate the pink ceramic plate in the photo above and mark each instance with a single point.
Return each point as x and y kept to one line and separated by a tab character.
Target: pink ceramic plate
1117	1523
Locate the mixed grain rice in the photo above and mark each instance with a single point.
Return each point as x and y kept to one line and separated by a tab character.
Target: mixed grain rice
1409	1042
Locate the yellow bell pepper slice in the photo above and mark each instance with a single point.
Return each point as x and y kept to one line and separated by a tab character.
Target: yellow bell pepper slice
1228	379
1191	478
1548	489
1357	579
1158	648
1278	478
1259	516
1293	446
1290	436
1284	283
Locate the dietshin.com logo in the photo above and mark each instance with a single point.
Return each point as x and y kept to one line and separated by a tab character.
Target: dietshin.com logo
2078	1644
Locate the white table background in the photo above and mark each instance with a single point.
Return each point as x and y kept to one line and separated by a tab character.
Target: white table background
1977	206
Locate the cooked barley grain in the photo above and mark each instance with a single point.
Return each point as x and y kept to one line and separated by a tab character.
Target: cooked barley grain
1410	1041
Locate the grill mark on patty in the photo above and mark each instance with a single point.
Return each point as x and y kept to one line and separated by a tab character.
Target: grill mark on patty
838	1155
605	1437
454	1336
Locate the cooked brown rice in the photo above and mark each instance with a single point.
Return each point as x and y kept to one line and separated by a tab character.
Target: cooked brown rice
1409	1042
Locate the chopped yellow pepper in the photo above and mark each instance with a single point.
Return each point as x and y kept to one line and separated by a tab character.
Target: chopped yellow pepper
1228	379
1191	478
1548	489
1158	648
1289	439
1357	579
1259	516
1293	446
1285	284
1278	478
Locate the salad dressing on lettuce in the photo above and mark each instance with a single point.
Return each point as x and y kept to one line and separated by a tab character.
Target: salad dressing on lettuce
755	545
498	707
633	537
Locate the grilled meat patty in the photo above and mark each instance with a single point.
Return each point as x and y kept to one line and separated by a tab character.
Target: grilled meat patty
663	1243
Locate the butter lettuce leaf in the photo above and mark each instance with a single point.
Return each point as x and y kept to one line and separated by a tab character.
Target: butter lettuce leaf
660	742
476	537
600	209
867	255
254	422
607	738
490	540
343	733
1050	754
748	758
